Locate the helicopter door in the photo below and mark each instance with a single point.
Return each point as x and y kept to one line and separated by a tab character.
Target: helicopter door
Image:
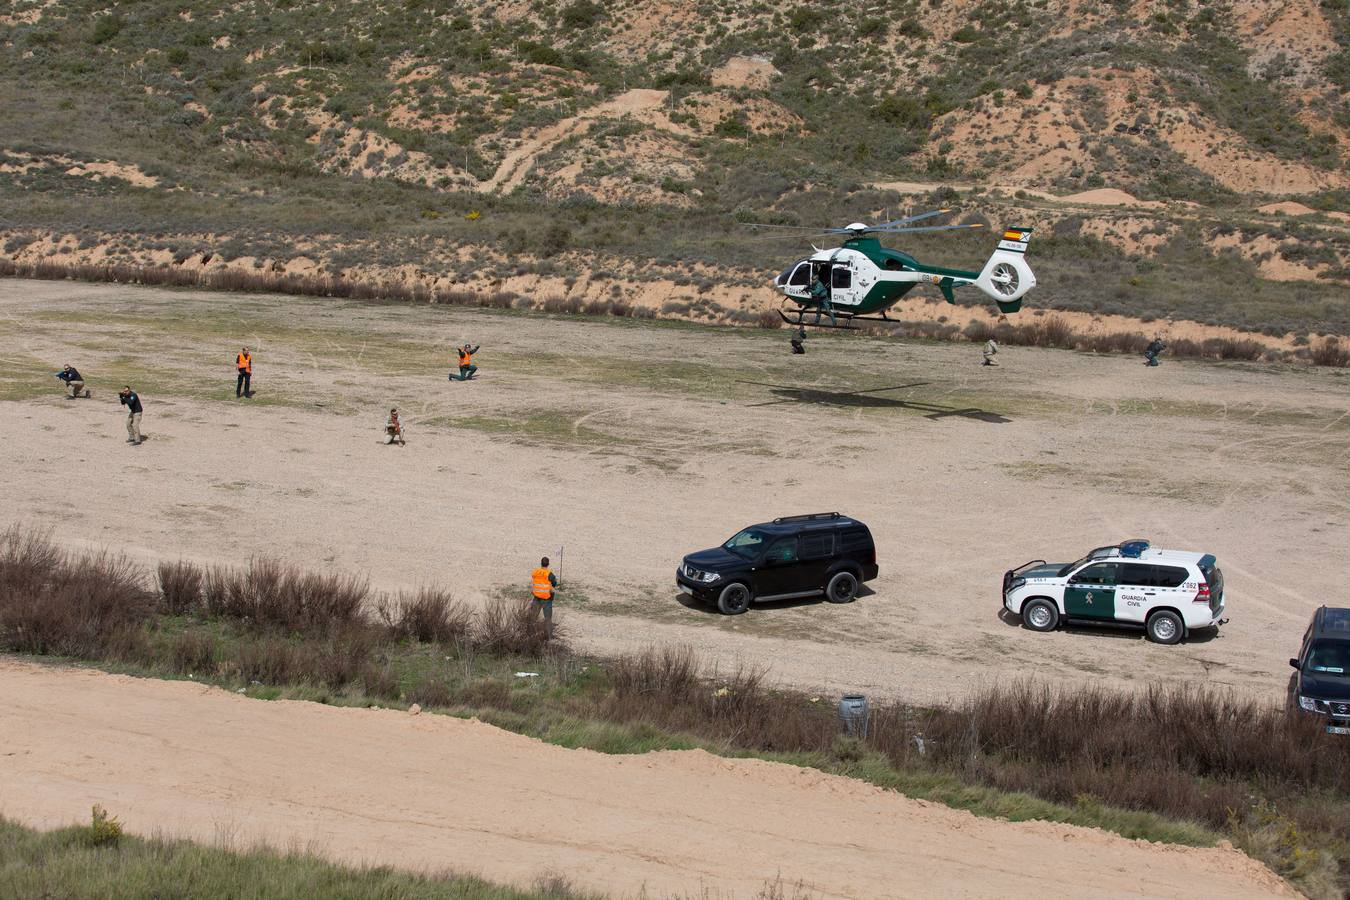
842	291
799	282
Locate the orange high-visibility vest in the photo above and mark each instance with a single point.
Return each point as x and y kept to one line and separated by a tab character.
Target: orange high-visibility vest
245	362
464	357
542	589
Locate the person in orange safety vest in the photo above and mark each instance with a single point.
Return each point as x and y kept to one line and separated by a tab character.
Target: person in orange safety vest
467	369
244	363
543	583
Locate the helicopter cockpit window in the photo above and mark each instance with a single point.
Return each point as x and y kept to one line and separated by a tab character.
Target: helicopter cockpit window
841	278
783	275
801	275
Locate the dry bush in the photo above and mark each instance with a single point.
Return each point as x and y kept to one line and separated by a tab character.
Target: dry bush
192	652
430	692
268	660
978	332
379	680
431	615
1330	353
87	606
1233	348
1051	331
342	657
180	587
268	593
514	627
671	673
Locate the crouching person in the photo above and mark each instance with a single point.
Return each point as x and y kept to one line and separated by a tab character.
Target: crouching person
71	376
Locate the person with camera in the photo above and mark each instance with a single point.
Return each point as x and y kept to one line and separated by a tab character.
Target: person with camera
132	401
71	376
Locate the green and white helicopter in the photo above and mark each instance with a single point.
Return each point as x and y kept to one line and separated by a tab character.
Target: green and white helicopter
860	280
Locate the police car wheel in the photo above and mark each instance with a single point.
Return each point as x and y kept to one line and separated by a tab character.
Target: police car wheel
1040	615
734	599
1164	627
843	588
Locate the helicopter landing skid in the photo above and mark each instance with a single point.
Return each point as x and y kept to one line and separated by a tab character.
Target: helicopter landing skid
844	322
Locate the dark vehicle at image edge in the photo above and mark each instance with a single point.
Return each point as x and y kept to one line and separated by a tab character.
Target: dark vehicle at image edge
1320	684
791	557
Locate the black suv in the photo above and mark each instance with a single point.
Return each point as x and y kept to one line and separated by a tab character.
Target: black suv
795	556
1321	683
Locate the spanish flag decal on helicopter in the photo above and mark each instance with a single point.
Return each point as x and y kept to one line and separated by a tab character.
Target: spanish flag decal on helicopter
1015	239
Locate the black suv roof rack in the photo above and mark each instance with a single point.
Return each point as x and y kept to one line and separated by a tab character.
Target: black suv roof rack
807	518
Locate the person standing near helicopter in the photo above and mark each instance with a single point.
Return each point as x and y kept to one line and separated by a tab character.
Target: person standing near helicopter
820	295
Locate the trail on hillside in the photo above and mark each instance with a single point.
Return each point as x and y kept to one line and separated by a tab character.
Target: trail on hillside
432	792
516	165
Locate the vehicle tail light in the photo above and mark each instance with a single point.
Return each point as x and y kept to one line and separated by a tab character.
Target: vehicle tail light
1202	594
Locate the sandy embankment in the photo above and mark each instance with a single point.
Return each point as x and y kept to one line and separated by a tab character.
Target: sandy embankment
431	792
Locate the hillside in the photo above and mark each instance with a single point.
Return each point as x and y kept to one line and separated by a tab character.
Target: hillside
597	150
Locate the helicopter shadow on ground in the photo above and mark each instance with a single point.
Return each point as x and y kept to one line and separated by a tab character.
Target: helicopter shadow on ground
1128	633
866	399
710	607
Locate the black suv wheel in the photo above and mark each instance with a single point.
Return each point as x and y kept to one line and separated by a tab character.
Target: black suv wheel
734	599
843	588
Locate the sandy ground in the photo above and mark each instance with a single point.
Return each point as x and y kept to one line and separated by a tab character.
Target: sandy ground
186	759
632	444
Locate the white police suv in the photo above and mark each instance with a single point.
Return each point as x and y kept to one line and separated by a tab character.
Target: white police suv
1170	593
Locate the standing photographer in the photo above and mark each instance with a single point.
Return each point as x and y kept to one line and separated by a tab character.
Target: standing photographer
132	401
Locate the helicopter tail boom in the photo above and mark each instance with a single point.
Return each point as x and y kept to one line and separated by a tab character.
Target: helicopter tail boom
1006	277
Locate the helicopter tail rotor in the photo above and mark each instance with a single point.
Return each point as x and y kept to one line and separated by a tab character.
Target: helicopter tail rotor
1006	277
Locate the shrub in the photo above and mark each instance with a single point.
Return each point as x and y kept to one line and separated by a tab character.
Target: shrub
180	587
510	626
193	652
431	615
103	830
1330	353
85	606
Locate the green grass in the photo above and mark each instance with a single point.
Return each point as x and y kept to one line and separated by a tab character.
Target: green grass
72	862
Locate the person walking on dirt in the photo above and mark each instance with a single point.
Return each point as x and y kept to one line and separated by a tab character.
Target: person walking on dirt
990	351
71	376
1151	352
543	583
244	363
393	429
467	369
132	401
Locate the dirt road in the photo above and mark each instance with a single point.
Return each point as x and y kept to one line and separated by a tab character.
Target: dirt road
431	792
633	443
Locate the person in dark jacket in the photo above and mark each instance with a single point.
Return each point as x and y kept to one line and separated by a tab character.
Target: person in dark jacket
132	401
71	376
1152	350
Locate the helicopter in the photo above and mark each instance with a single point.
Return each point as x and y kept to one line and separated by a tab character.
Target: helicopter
861	280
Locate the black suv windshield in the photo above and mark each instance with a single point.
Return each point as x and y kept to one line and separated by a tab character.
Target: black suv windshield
746	544
1330	657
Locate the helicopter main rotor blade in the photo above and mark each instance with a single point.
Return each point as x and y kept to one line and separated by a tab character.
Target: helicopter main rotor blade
908	219
788	227
925	228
